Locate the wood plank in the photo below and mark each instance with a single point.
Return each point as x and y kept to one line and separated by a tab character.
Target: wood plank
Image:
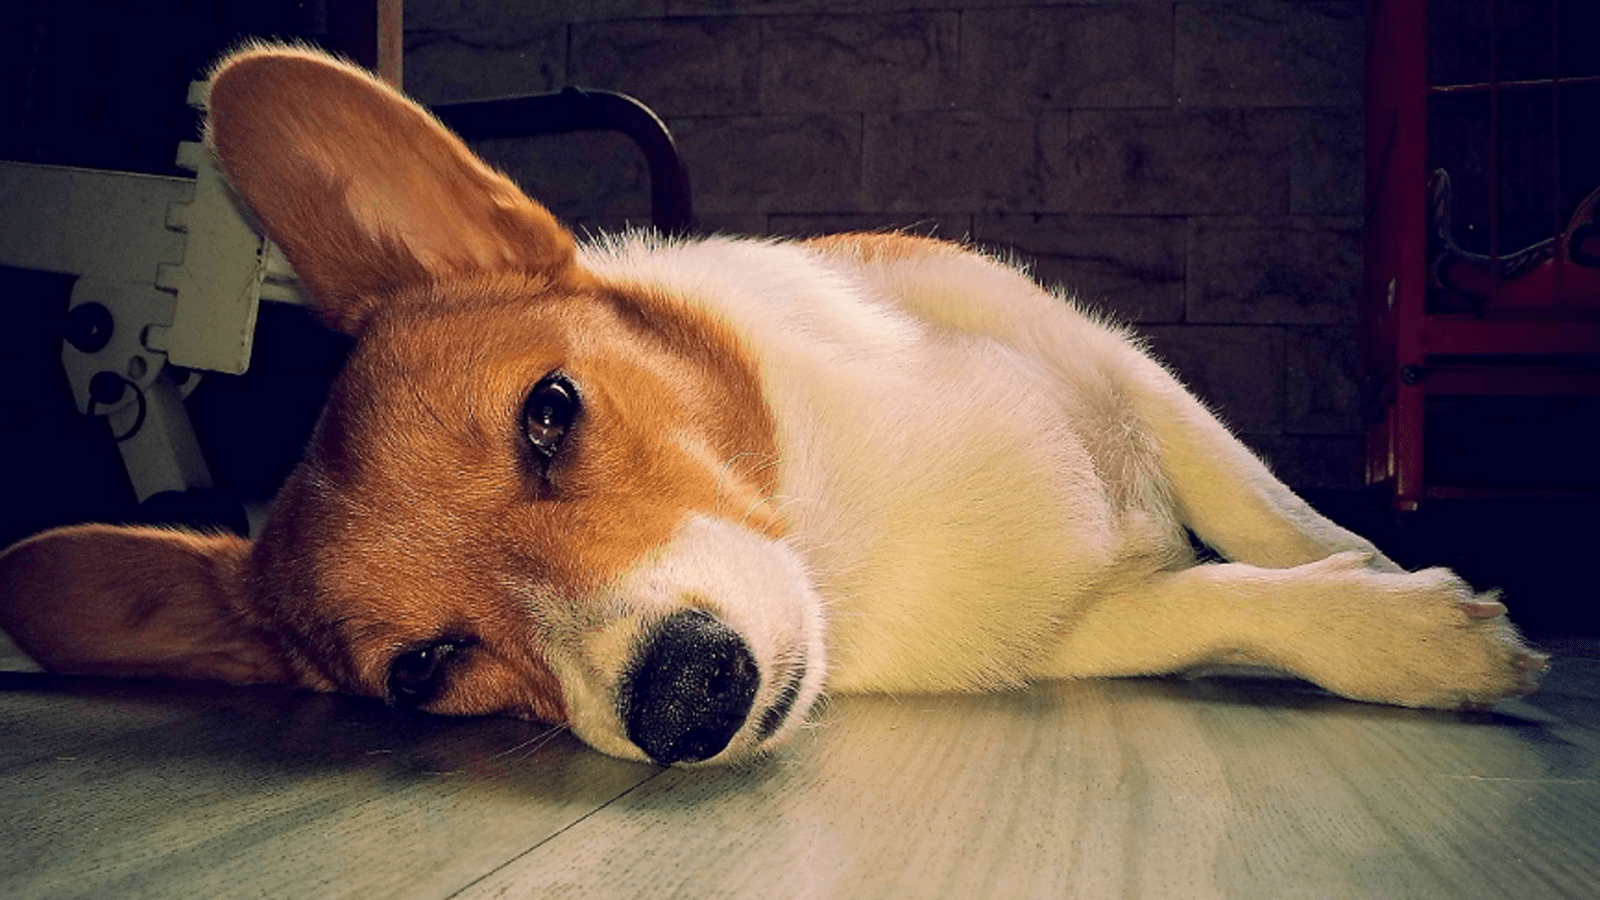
44	716
294	795
1160	788
1137	788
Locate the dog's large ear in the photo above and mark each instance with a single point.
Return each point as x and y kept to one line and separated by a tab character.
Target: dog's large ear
104	600
363	189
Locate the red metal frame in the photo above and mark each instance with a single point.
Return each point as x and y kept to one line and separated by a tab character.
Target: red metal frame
1403	340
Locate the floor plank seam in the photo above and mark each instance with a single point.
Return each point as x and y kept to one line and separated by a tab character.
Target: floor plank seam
551	836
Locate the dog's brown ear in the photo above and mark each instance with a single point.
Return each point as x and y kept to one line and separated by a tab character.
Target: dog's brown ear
363	189
104	600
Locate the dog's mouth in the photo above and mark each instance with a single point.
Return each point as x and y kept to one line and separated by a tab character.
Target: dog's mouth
779	711
692	689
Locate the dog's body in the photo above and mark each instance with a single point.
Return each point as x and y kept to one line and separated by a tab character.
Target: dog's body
667	492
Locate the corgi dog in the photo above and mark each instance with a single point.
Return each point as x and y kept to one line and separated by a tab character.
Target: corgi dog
669	492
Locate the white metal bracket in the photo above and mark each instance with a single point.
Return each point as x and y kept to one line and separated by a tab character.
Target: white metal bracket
168	271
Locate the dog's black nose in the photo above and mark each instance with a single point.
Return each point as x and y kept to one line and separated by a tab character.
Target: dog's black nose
691	689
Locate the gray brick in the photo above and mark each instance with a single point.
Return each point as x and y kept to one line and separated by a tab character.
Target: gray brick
678	67
959	160
1067	56
791	7
476	64
856	63
1166	162
595	180
1130	267
1327	166
505	15
1269	54
1287	270
952	227
1307	462
1238	370
751	224
774	163
1322	381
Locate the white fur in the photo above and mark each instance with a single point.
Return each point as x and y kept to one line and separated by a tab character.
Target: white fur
986	486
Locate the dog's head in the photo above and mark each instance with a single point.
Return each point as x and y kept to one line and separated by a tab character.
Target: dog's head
532	492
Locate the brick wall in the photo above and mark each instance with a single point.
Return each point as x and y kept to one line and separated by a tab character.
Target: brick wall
1194	167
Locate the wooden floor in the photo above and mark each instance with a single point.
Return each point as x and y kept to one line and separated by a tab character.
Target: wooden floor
1147	788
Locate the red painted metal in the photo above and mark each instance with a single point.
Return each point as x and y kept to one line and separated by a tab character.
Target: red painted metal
1410	351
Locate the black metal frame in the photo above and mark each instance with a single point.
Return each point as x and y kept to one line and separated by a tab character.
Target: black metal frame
579	109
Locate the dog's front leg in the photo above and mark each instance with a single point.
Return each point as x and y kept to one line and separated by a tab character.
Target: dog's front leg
1410	639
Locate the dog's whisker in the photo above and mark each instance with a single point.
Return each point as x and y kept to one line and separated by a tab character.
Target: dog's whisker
544	741
726	471
514	748
528	748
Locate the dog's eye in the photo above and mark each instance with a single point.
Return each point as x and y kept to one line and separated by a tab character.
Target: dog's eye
548	414
416	674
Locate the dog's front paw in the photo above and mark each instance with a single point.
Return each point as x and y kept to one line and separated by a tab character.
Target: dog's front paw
1426	639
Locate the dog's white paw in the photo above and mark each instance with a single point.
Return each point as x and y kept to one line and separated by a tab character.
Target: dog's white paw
1420	639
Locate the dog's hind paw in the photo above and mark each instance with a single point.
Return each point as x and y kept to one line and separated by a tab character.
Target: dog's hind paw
1425	639
1527	665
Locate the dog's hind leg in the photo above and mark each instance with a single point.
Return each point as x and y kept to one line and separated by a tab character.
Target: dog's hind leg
1411	639
1161	444
1157	444
1221	490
